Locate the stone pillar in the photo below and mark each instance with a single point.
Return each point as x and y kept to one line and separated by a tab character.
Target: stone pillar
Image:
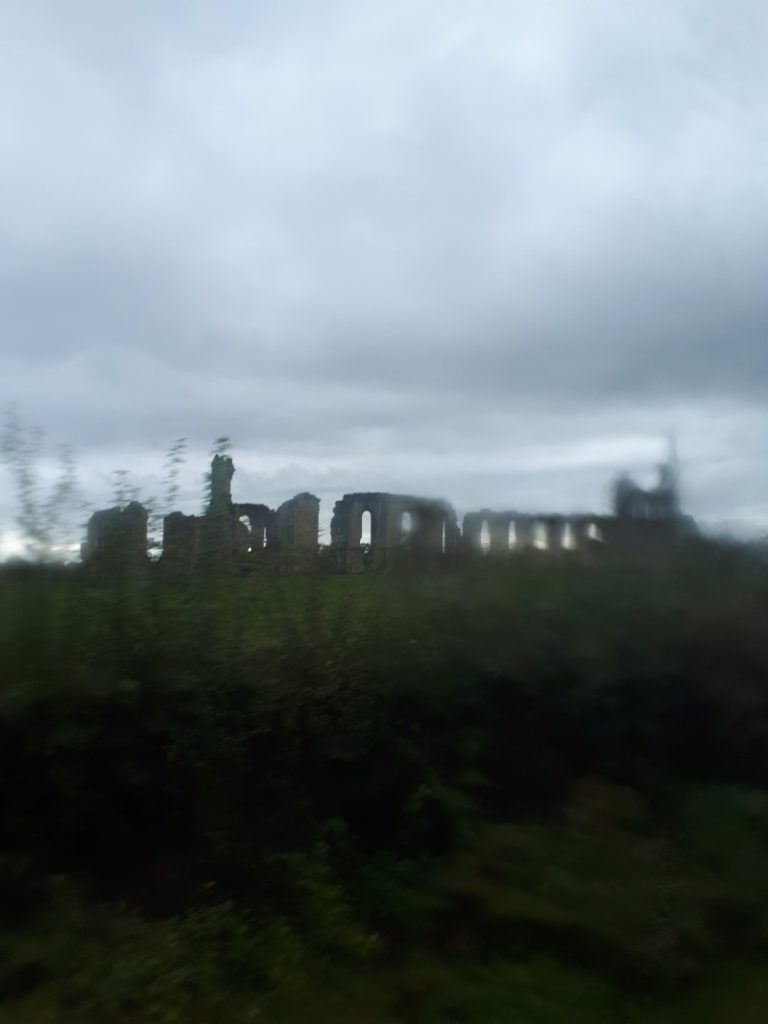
471	532
554	528
579	527
498	528
524	532
346	532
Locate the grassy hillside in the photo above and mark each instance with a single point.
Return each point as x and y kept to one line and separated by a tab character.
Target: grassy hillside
532	793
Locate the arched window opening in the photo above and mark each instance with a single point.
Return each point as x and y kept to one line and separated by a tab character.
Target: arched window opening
365	529
512	536
406	525
567	537
595	533
540	538
485	537
246	524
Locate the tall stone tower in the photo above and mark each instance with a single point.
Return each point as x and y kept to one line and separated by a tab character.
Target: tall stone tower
222	471
217	533
661	502
668	489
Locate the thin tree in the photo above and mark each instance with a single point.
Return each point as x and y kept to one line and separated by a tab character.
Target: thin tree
175	458
44	520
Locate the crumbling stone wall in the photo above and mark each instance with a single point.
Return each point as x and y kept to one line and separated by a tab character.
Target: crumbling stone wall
297	534
242	537
255	536
499	534
235	537
181	536
659	532
407	532
509	532
431	541
660	502
260	527
116	540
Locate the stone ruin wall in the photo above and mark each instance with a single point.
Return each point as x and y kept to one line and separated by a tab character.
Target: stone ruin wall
406	532
430	538
116	540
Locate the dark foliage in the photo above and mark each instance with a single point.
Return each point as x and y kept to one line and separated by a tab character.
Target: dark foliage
241	786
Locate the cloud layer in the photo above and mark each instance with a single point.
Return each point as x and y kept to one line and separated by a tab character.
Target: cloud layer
486	250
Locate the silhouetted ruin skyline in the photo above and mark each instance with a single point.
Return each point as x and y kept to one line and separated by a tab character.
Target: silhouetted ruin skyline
402	531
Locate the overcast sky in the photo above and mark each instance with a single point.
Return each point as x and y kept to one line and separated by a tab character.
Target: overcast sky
487	250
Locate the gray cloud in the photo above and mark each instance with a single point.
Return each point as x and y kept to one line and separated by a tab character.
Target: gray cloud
489	250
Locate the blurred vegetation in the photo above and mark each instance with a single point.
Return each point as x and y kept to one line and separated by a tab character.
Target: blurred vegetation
49	505
530	793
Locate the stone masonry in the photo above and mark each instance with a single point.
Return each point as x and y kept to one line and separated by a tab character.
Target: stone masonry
371	530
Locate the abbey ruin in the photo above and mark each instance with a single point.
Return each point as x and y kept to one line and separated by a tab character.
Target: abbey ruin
401	532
